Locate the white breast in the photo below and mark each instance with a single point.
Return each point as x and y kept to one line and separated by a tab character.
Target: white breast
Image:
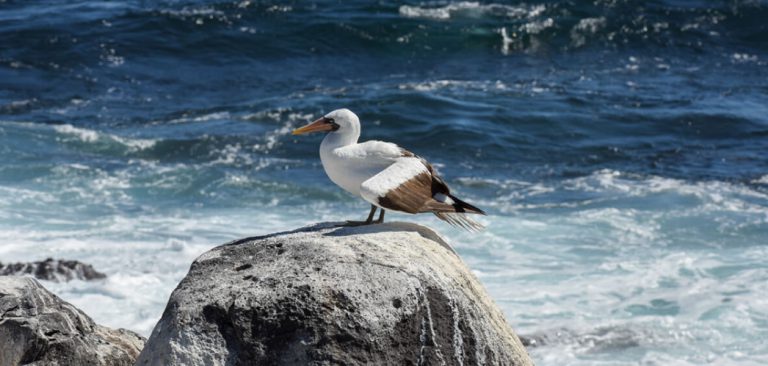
348	173
349	166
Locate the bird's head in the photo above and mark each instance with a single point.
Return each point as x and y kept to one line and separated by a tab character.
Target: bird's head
341	121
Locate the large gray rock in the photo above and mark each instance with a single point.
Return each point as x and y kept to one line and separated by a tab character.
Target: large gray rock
390	294
39	328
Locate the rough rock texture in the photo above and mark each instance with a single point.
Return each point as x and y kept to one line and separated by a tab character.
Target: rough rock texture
38	328
53	270
390	294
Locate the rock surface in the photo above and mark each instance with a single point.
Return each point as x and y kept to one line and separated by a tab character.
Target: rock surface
53	270
38	328
389	294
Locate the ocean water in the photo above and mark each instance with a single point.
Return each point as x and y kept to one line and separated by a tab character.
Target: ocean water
620	148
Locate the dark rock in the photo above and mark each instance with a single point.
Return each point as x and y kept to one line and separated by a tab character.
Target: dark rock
531	341
390	294
53	270
38	328
601	339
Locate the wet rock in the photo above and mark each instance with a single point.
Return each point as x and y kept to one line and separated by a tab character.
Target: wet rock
601	339
531	341
53	270
38	328
393	294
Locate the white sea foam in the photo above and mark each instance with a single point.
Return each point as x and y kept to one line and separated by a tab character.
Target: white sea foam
761	180
507	43
462	85
279	9
511	39
83	134
585	28
570	269
135	144
673	262
110	57
273	114
611	185
215	116
744	58
91	136
18	104
289	120
233	154
713	194
537	26
144	257
470	9
201	12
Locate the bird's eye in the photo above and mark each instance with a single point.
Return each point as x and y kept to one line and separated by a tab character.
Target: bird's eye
334	126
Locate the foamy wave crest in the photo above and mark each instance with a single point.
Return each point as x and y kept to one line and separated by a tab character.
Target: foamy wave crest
91	136
454	84
83	134
761	180
231	155
289	120
687	301
665	276
143	256
612	185
725	195
470	9
586	28
200	15
215	116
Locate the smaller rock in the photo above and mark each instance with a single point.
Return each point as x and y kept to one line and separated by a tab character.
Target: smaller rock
39	328
532	341
53	270
598	339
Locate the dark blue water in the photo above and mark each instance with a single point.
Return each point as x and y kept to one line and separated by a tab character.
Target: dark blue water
621	148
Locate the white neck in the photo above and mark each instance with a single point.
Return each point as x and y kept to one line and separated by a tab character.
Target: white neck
338	139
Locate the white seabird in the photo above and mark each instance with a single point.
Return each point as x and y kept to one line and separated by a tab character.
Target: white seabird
384	174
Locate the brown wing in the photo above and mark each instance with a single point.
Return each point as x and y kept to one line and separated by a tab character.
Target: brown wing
412	185
438	185
411	196
404	186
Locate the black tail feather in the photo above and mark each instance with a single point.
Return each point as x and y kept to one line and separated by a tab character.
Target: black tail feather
462	206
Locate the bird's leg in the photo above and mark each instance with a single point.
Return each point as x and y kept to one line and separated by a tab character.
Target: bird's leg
367	221
380	220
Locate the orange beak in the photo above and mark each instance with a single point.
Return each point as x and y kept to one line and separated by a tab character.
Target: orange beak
320	125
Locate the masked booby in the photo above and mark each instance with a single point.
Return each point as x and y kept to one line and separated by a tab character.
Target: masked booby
384	174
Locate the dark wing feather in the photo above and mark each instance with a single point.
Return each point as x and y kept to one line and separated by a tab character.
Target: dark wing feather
417	194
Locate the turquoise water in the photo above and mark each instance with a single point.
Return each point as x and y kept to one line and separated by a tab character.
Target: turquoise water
619	147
